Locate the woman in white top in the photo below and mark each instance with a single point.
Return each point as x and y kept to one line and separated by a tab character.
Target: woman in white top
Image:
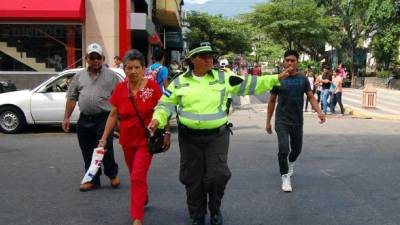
311	79
318	88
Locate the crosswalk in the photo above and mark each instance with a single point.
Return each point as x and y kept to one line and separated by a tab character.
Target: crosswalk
387	104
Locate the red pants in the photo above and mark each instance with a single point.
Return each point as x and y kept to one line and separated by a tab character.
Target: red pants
138	160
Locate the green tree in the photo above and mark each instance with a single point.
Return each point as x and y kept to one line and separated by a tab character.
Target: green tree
353	25
225	35
385	16
268	50
295	24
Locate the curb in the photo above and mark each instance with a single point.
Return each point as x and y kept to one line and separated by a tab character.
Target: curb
369	115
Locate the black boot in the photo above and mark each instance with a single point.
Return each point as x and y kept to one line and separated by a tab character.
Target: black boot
216	218
198	221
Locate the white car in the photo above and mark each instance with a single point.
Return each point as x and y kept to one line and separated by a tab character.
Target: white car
45	104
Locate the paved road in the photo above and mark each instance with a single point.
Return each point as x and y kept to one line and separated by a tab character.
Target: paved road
347	175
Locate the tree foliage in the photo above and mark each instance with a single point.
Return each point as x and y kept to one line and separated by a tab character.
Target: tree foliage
368	19
385	16
295	24
354	24
268	50
225	35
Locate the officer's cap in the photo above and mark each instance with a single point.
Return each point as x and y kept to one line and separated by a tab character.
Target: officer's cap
205	47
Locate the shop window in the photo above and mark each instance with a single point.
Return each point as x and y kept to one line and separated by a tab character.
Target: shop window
40	47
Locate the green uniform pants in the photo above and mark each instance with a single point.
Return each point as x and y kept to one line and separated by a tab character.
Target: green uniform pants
203	169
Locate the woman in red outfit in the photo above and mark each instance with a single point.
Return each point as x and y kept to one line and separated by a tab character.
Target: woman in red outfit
146	94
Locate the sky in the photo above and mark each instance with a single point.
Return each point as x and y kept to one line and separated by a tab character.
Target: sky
228	8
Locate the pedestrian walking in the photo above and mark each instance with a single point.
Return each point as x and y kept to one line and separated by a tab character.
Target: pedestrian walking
289	116
117	62
311	79
224	66
337	90
318	85
243	71
200	96
256	71
391	79
145	93
91	88
326	81
158	72
174	69
341	71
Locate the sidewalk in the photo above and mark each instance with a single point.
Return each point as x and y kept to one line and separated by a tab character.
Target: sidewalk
388	104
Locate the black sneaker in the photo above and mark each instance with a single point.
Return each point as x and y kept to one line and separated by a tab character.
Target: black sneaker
216	218
198	221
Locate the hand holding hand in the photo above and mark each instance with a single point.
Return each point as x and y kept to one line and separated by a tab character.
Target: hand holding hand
167	141
153	126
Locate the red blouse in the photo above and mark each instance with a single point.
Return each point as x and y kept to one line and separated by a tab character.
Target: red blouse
131	131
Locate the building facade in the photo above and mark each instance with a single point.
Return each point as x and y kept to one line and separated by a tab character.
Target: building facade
50	36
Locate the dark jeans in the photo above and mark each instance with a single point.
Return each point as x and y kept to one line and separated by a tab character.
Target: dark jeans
326	95
90	129
294	133
337	99
204	170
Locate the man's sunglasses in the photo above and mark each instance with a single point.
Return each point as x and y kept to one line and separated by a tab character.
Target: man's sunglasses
94	57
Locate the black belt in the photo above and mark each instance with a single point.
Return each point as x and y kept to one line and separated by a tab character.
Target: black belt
94	116
184	129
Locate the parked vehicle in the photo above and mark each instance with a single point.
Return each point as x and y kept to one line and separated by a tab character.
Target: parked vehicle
45	104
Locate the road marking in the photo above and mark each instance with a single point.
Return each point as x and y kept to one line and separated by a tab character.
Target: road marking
328	172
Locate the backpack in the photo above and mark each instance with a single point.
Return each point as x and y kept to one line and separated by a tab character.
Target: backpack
152	74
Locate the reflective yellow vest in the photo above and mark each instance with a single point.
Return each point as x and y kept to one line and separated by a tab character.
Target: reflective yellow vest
201	103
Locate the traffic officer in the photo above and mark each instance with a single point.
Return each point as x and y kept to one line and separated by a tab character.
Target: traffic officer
199	96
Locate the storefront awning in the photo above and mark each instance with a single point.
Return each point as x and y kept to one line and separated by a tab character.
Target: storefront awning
43	10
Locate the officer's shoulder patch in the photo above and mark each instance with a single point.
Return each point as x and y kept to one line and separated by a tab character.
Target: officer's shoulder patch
167	92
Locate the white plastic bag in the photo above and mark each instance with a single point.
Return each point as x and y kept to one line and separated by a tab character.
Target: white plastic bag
97	158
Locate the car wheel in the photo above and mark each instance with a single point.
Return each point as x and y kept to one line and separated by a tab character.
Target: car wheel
11	120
